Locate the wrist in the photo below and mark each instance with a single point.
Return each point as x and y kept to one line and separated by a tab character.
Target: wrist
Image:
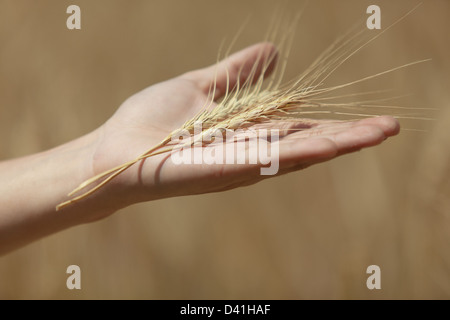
79	158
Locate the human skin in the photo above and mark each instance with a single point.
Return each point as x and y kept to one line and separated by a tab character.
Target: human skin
34	185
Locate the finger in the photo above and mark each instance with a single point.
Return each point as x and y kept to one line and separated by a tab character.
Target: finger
325	128
304	152
389	125
362	136
329	129
295	132
334	141
347	137
240	66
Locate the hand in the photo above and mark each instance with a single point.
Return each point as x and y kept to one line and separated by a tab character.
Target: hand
149	116
35	184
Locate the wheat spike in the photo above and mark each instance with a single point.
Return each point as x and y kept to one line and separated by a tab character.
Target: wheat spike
254	101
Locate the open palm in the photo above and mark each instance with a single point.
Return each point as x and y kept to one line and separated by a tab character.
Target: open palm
149	116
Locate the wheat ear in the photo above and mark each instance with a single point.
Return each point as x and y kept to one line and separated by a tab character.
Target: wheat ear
246	104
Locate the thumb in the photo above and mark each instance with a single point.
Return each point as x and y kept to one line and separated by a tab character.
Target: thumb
247	63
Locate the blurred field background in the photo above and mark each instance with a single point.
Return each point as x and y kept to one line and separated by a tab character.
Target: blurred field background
306	235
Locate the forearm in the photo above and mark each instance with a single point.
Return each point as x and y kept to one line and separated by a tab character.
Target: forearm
32	186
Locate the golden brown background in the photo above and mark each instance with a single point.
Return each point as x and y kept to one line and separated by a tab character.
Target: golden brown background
311	234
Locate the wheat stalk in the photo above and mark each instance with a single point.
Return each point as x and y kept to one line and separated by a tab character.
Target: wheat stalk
253	103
